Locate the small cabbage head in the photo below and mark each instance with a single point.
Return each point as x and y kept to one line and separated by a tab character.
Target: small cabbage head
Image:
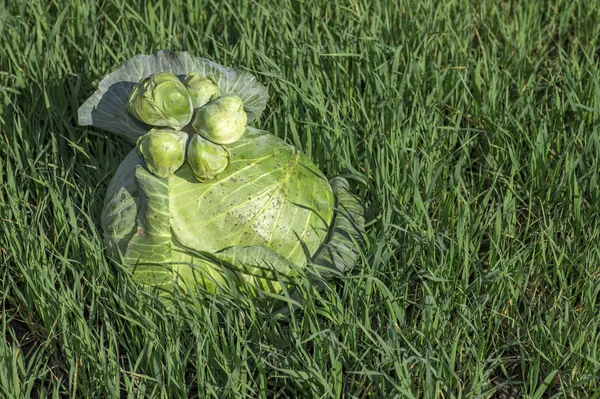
222	121
163	151
207	160
161	100
202	89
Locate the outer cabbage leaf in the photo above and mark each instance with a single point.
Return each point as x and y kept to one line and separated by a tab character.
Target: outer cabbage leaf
340	251
106	108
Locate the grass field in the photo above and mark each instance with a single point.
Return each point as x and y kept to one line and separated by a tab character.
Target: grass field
470	128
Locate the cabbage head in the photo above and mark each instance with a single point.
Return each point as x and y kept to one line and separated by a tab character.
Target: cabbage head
257	225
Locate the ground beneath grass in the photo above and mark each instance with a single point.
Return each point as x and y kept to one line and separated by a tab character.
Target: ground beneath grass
470	129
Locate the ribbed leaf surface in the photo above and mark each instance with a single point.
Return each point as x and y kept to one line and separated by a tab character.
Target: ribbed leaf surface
340	251
270	195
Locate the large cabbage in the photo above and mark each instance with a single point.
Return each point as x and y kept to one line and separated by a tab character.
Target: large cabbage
267	216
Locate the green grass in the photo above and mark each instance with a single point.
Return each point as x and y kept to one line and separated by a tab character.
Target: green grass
471	131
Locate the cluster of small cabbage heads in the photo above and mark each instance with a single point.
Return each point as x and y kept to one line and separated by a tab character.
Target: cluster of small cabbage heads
169	104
